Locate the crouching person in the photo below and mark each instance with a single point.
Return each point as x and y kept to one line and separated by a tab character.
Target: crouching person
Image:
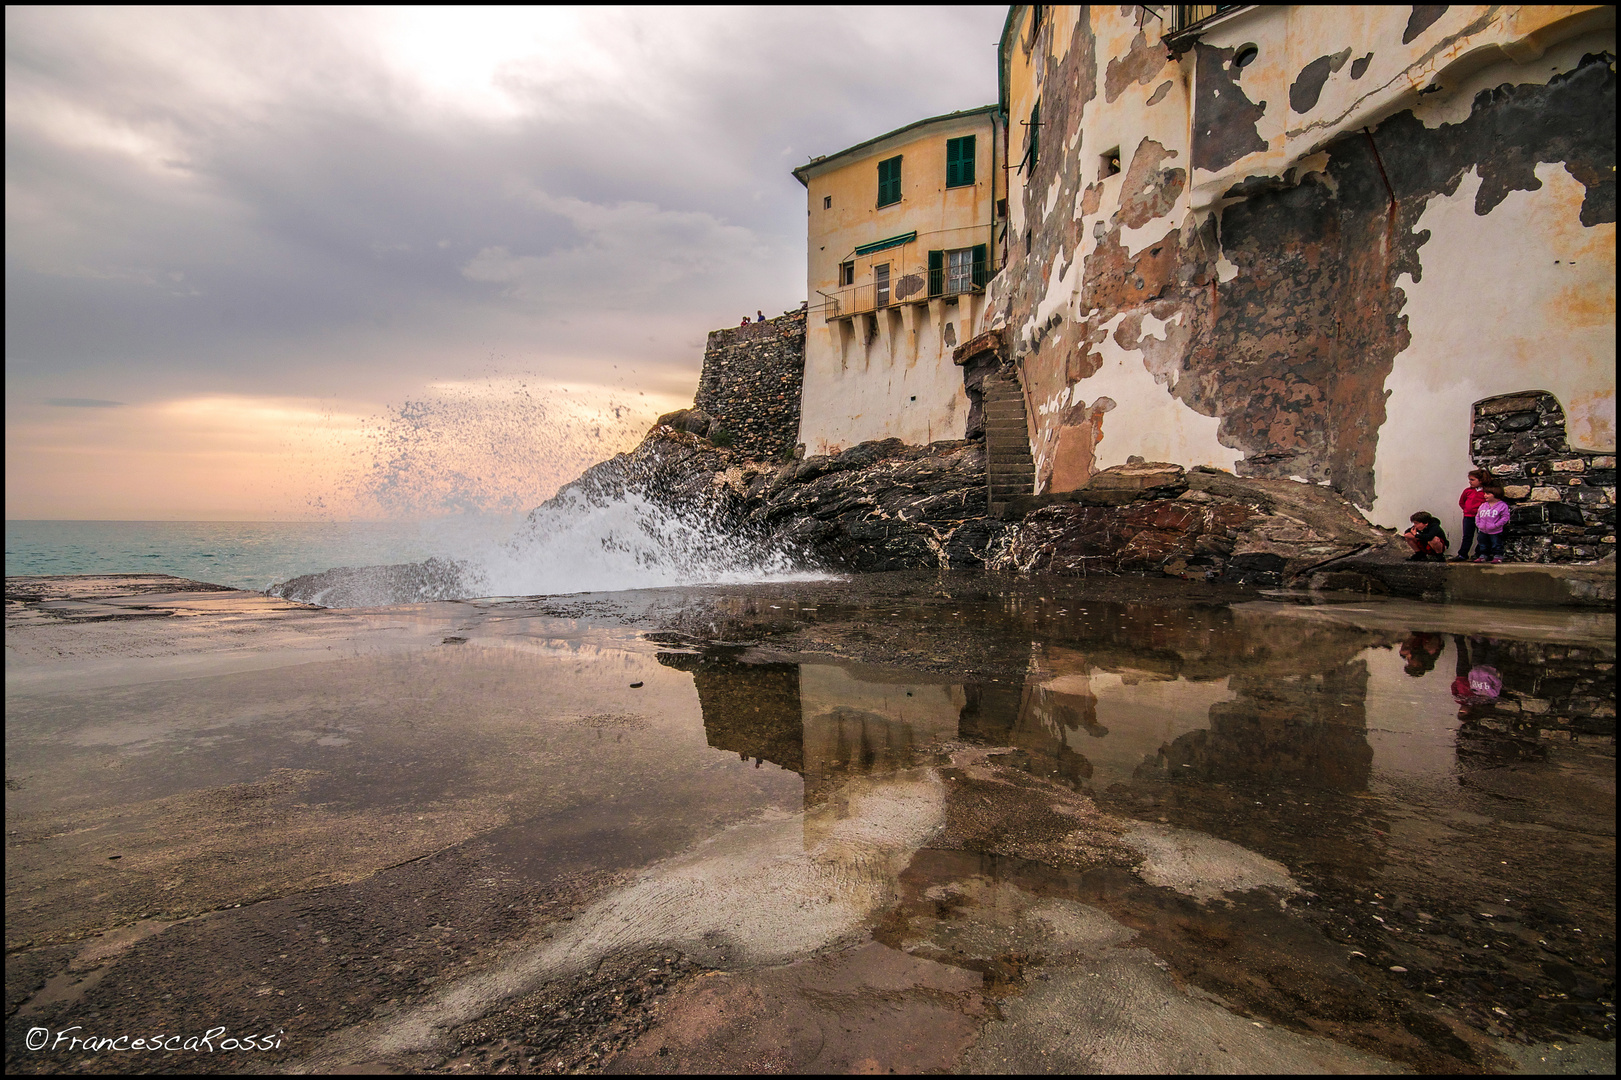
1426	538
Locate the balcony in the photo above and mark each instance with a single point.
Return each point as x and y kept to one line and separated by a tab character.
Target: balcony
912	280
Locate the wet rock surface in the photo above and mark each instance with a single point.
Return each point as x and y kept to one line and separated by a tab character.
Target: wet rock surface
911	821
888	506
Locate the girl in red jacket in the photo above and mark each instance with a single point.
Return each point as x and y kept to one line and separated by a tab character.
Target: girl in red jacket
1469	502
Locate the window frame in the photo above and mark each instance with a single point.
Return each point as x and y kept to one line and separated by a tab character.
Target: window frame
955	166
847	273
892	183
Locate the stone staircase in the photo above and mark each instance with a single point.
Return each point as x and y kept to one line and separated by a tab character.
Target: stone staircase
1009	469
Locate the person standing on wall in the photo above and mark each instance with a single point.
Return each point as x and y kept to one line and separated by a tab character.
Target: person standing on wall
1469	502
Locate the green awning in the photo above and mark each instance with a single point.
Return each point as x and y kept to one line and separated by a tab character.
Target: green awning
893	241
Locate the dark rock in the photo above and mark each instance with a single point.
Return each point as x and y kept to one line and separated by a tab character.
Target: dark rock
1528	514
1255	568
1123	484
1348	581
695	421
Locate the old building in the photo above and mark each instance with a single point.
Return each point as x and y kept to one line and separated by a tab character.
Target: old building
903	233
1302	242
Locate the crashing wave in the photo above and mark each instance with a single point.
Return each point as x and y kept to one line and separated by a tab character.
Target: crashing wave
653	518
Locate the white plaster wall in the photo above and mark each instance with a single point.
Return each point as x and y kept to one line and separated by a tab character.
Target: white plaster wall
866	391
1521	299
1141	716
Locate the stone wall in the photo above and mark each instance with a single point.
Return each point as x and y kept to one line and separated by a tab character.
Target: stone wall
1564	499
751	384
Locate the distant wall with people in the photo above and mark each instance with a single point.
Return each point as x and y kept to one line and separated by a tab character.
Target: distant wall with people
751	384
1563	498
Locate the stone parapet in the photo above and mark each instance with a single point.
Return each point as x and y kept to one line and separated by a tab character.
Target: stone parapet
751	384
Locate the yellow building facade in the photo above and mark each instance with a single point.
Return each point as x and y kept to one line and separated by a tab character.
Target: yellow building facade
904	232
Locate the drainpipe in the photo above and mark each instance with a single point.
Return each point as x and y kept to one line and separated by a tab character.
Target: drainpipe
1390	215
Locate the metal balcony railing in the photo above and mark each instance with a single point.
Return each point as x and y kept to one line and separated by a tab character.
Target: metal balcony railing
1184	16
912	280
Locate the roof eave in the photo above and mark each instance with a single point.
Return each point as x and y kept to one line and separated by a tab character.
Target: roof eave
802	173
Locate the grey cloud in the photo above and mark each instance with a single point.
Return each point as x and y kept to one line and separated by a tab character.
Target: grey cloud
255	200
82	403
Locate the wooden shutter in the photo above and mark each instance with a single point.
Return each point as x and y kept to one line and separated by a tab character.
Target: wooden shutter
960	161
1035	133
889	181
979	266
937	273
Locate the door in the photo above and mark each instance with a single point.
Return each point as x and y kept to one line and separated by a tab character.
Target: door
880	285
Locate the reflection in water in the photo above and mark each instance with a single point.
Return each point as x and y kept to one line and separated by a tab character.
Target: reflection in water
1161	703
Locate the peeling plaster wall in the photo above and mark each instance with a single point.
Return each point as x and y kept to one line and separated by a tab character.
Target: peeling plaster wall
1477	332
1309	267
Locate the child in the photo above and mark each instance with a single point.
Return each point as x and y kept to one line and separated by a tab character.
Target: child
1490	520
1428	542
1469	502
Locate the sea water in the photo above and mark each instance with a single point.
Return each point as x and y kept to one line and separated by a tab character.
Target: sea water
239	554
576	544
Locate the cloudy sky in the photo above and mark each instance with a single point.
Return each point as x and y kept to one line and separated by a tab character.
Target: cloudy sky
291	263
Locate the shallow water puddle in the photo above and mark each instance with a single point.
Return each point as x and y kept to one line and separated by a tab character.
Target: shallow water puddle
1060	831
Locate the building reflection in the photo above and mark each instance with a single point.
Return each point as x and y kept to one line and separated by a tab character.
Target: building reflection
1125	713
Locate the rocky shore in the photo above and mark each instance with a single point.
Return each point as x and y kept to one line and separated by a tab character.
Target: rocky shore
884	505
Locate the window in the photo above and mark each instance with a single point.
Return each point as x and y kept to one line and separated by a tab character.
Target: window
889	181
959	271
847	273
827	202
1111	162
952	273
880	283
960	161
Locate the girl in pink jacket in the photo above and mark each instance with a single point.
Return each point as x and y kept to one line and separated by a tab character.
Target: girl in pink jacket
1490	520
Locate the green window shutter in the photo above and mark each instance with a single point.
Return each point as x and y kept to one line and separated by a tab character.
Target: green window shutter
889	181
979	266
960	161
937	273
